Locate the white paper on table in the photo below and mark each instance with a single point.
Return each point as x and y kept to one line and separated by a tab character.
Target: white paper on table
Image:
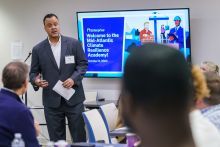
64	92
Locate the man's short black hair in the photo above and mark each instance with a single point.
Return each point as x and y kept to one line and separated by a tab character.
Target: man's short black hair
49	16
14	75
158	77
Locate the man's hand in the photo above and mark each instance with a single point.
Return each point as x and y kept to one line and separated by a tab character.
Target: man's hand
37	127
68	83
40	83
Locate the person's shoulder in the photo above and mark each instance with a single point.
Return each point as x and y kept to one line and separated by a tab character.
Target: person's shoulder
11	104
180	28
19	105
69	39
212	111
203	131
40	44
143	30
22	109
172	29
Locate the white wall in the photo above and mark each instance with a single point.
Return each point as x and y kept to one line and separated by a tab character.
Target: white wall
22	20
10	24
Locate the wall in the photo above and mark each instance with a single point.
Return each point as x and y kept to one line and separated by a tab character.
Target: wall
22	20
10	24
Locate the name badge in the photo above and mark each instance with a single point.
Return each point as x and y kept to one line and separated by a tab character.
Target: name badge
69	59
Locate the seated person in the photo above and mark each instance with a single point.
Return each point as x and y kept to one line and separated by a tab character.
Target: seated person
204	132
15	117
156	93
208	66
210	105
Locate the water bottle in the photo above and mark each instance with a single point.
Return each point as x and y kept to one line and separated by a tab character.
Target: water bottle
17	141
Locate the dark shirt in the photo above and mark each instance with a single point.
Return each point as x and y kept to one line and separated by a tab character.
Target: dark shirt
15	117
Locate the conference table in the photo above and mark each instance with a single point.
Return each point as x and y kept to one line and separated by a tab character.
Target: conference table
96	104
97	145
120	132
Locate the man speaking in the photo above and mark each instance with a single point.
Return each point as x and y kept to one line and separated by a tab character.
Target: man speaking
60	58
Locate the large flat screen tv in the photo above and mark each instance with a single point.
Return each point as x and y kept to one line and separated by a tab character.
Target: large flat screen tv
109	36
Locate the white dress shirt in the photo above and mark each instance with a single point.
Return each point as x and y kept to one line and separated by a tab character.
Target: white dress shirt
56	49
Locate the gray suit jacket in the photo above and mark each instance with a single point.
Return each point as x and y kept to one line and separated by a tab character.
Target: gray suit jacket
43	62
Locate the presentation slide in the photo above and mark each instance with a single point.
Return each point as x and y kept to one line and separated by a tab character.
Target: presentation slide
103	43
108	37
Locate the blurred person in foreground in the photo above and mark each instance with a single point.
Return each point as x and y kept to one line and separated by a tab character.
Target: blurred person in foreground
15	117
157	91
204	132
210	105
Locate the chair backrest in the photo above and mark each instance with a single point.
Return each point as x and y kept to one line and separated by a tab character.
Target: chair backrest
90	96
109	113
97	130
